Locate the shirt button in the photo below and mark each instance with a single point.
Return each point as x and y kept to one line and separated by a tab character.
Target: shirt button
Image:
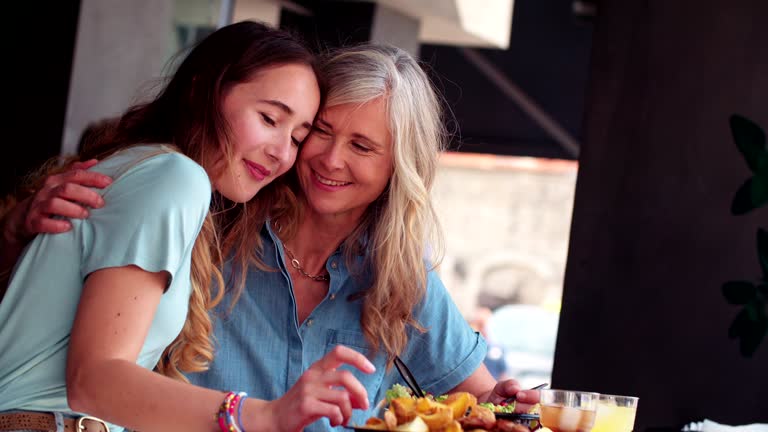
309	322
333	296
333	264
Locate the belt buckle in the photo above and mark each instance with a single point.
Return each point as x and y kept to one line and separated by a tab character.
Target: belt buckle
81	427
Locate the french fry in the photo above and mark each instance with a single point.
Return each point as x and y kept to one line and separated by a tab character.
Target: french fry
478	417
437	417
390	420
404	408
415	425
460	402
453	426
375	423
424	405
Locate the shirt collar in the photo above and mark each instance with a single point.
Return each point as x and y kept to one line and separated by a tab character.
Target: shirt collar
335	263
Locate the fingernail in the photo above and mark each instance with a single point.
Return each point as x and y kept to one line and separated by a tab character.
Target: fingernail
371	367
85	214
521	395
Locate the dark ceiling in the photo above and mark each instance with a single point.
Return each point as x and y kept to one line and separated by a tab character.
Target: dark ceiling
548	59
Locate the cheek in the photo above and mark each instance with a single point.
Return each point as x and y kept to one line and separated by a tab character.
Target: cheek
223	183
247	133
380	177
303	157
219	166
302	165
308	147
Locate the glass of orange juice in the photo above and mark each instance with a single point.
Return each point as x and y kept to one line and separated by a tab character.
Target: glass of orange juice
615	413
568	411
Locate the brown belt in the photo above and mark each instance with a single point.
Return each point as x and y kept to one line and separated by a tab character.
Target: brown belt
39	421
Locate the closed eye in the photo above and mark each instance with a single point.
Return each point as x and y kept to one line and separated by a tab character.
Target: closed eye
267	119
320	131
360	147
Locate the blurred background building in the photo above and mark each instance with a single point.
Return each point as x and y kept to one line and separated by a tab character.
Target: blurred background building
623	269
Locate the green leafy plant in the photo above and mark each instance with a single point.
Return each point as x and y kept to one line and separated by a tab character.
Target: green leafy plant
751	323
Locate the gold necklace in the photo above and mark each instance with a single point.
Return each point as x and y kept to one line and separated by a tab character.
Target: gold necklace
295	263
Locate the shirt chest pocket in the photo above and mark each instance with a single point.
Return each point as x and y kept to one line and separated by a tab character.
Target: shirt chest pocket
357	342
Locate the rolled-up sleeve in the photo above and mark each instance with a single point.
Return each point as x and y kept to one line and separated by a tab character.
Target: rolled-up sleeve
450	350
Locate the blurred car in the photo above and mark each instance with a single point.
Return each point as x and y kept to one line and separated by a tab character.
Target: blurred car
524	335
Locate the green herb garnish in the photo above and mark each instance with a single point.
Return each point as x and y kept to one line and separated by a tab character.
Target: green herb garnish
397	391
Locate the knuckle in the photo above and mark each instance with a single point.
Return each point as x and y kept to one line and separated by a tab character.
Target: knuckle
305	392
308	376
337	416
345	402
346	376
46	206
35	226
66	188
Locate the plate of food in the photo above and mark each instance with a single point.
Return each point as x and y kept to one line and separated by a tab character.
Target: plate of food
453	412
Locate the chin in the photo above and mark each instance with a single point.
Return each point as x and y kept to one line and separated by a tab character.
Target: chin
317	206
241	197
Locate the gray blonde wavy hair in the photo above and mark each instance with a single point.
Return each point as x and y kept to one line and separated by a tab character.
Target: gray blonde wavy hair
399	235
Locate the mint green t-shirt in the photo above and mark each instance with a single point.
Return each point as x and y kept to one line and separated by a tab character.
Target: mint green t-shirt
154	210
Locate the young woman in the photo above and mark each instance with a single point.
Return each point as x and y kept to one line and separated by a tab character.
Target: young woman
88	314
348	237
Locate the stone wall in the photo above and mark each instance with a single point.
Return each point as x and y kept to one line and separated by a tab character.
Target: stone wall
506	222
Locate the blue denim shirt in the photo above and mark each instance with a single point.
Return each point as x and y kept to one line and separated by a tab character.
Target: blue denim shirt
262	349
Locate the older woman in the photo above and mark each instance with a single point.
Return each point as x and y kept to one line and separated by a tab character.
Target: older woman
349	239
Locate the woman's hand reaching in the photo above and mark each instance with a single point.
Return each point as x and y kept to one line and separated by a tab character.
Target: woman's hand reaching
508	388
322	391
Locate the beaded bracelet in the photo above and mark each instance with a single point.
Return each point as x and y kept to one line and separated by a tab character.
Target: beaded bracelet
225	417
222	414
243	395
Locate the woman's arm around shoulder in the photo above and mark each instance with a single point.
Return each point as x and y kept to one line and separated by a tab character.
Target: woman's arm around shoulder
63	195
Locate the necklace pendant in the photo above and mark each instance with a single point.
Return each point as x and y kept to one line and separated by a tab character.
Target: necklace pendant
297	265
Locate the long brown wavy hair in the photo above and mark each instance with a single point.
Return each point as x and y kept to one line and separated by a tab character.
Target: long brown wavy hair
187	114
399	234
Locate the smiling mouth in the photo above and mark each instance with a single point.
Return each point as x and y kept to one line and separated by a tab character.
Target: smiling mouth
327	181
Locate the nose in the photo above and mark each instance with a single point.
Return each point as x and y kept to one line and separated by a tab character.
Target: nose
280	149
332	157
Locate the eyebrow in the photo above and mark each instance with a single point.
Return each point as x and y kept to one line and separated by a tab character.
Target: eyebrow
285	108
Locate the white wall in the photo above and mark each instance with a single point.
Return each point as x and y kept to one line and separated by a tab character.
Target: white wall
120	46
